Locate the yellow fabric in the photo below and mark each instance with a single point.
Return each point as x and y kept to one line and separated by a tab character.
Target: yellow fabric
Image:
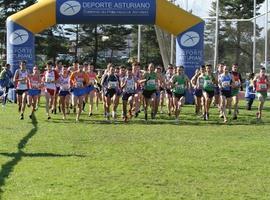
37	17
174	19
42	15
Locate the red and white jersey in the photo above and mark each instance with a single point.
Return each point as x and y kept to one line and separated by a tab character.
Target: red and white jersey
92	77
64	83
22	77
261	84
49	79
34	82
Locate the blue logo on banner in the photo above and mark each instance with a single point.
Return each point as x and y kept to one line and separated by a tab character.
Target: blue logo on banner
20	45
190	46
106	11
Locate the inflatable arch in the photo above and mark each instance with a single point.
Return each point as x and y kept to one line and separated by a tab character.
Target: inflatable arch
22	26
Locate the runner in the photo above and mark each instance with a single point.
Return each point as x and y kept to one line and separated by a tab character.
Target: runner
180	83
197	82
217	100
64	83
21	82
150	80
169	94
225	83
136	70
160	90
262	85
58	69
111	85
208	89
98	88
129	86
91	88
50	79
35	89
235	90
78	82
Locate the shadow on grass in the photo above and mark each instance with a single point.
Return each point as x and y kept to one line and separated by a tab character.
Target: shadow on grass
7	168
186	121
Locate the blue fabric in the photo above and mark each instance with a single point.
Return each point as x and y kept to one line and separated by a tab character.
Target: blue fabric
250	91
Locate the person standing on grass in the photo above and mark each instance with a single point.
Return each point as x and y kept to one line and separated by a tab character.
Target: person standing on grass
129	86
225	83
208	89
197	82
169	94
111	85
136	70
160	89
58	69
6	82
250	91
262	85
64	89
180	83
150	81
217	98
21	82
91	88
34	89
50	79
235	90
98	88
78	82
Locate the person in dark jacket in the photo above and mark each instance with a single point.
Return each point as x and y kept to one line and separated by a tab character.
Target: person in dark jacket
6	82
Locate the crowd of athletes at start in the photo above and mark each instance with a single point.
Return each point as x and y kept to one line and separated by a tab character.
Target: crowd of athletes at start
73	87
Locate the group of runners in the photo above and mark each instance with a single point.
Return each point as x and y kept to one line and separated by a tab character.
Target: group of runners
149	89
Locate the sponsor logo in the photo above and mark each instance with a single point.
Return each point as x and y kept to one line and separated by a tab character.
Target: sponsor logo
190	39
70	8
19	37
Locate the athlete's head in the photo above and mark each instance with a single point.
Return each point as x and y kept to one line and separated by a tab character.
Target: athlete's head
49	65
151	67
85	67
220	67
76	65
23	65
91	67
129	72
235	67
158	70
81	67
208	68
225	69
170	68
122	70
111	70
202	69
65	69
35	70
180	70
262	71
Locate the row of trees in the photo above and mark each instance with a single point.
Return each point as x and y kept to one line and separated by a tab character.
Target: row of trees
235	38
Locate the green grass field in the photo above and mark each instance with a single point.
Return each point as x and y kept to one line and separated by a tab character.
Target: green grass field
93	159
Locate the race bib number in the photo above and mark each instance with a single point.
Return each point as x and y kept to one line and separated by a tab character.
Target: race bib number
209	82
237	83
151	83
262	86
180	87
226	84
112	84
